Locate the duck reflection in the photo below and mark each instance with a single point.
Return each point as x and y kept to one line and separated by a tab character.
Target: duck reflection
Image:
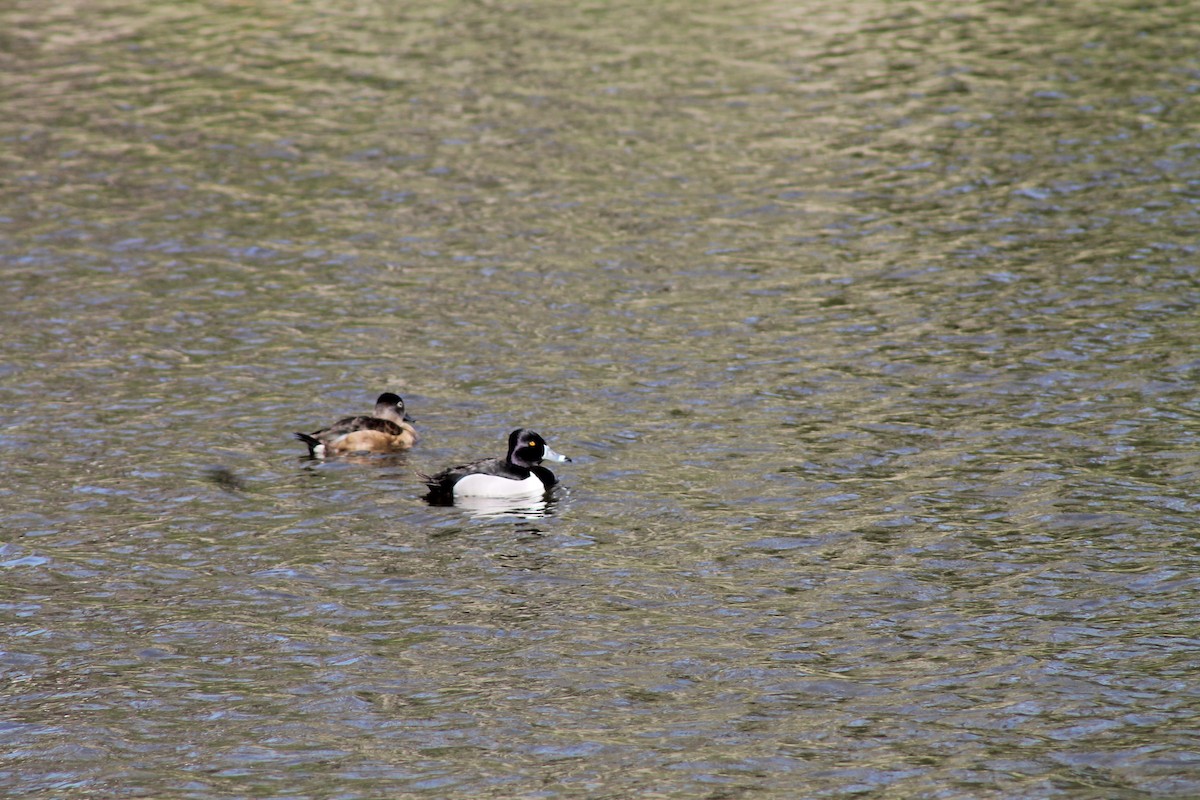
357	459
493	508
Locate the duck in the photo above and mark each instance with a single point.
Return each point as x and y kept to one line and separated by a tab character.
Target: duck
387	431
518	474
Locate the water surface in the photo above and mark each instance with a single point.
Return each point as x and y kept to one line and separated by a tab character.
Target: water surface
871	329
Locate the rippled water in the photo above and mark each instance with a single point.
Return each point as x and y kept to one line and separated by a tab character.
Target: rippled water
872	329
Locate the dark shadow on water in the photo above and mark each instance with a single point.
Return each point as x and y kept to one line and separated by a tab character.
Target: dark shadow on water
225	478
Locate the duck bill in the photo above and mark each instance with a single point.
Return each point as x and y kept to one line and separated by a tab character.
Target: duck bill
553	456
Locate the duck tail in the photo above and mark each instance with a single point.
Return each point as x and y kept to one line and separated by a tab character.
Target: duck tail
315	446
438	495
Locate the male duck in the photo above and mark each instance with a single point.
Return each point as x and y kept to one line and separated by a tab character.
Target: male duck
388	431
518	474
